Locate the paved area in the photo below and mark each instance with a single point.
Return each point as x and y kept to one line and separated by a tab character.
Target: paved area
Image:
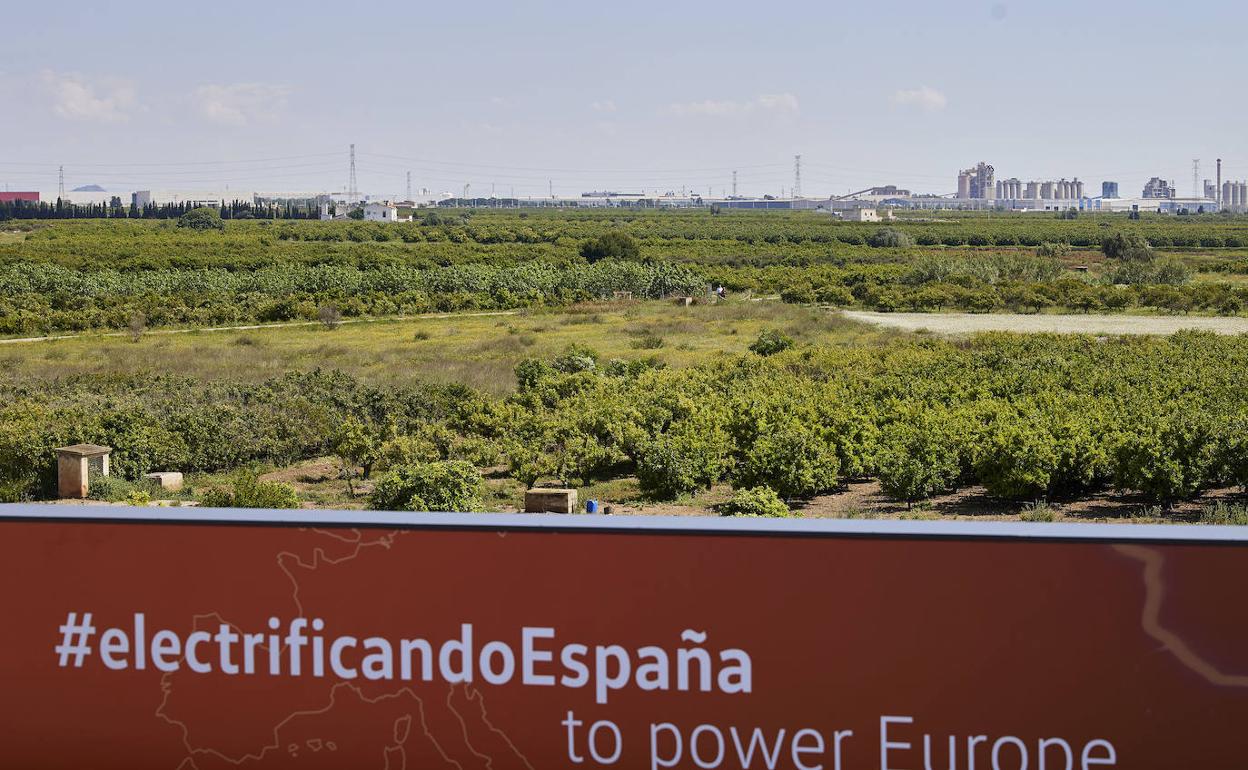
972	323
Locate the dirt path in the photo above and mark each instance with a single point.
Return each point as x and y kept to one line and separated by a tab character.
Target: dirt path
972	323
386	319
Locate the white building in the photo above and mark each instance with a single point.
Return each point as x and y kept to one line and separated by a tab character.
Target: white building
860	215
381	212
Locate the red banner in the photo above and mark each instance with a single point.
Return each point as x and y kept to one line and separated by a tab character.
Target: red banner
511	642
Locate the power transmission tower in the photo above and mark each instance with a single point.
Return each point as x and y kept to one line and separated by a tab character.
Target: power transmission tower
60	188
797	176
550	186
409	186
734	183
353	189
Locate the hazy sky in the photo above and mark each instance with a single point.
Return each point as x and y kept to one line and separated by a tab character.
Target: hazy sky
620	95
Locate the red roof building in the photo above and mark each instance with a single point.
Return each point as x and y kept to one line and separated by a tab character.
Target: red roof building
12	197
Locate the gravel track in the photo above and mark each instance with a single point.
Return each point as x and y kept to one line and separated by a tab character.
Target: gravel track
973	323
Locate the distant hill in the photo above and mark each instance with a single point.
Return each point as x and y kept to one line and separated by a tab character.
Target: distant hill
89	188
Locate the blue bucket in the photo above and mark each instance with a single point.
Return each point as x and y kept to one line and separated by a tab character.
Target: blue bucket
591	506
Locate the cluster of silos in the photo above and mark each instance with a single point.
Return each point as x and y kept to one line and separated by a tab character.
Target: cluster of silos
1235	196
1009	189
1062	190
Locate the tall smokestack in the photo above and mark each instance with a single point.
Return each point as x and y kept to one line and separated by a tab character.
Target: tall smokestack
1217	191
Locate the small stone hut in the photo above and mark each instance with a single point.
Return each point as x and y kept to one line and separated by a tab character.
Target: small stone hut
74	466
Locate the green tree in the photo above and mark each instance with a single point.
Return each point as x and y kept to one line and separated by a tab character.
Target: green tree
682	461
1168	457
610	245
202	218
358	449
790	457
918	458
1127	247
1018	458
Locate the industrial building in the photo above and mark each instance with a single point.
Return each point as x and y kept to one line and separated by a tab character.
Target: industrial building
1109	189
977	183
1174	205
1235	197
1159	188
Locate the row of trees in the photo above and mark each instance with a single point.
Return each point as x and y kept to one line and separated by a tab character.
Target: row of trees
1027	417
117	209
39	298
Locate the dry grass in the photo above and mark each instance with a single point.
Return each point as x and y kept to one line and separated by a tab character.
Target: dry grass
479	351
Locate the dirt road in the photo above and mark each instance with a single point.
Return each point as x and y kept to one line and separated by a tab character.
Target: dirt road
972	323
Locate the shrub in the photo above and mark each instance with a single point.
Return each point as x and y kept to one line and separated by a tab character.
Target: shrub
451	485
249	491
770	342
837	296
329	316
531	371
576	358
1224	513
1038	511
613	245
647	342
111	489
756	501
889	237
799	294
1052	250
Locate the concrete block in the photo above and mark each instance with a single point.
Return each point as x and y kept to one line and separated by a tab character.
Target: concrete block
169	481
547	500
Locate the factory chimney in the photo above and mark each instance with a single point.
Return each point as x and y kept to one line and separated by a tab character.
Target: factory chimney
1218	189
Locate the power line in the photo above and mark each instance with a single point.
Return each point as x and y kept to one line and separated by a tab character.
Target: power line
633	170
177	163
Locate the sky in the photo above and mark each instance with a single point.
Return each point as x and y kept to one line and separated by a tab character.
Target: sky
526	97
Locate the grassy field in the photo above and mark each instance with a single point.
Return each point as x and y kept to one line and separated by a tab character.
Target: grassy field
476	350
